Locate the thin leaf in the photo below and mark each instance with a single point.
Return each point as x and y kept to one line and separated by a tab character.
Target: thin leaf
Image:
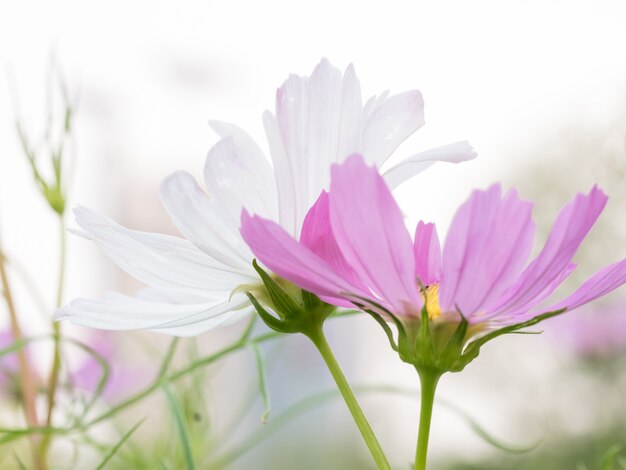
314	401
610	457
485	435
261	370
474	347
11	434
117	446
384	326
19	462
169	355
181	428
245	335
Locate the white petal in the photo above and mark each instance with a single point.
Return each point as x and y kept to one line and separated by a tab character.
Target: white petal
452	153
237	175
389	120
121	312
318	122
201	221
159	260
285	184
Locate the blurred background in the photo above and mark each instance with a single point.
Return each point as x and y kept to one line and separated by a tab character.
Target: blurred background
537	87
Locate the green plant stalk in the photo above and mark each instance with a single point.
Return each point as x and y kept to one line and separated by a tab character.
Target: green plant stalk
316	335
53	381
428	380
162	379
27	381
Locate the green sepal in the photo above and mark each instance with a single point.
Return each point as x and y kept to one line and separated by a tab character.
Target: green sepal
291	316
270	320
453	350
310	300
396	320
285	305
424	340
473	349
385	326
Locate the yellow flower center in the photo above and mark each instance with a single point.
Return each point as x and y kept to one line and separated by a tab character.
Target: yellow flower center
431	299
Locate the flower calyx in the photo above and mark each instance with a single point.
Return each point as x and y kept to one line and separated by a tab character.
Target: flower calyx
437	345
297	311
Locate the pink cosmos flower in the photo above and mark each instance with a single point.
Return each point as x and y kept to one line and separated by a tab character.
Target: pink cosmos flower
354	248
195	283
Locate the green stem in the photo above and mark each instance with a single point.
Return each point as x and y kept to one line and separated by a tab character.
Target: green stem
428	379
27	378
163	379
53	381
318	338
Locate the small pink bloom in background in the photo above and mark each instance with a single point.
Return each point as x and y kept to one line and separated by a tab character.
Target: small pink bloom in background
84	373
9	366
123	379
355	248
597	332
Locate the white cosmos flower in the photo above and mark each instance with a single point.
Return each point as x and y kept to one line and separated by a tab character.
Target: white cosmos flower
319	120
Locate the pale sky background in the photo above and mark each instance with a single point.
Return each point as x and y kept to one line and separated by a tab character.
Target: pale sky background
148	75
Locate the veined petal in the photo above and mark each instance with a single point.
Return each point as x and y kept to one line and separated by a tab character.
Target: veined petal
121	312
409	167
389	120
318	237
601	283
288	197
318	122
197	218
277	250
515	316
571	227
370	232
237	175
488	243
427	252
158	260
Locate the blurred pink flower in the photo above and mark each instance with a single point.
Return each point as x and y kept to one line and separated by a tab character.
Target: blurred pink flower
355	247
193	281
84	374
123	378
599	331
9	365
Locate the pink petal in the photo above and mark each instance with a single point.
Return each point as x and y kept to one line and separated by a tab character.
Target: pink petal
317	235
427	253
488	243
277	250
571	227
522	314
601	283
370	232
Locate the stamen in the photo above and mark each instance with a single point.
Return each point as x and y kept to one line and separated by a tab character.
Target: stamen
431	298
